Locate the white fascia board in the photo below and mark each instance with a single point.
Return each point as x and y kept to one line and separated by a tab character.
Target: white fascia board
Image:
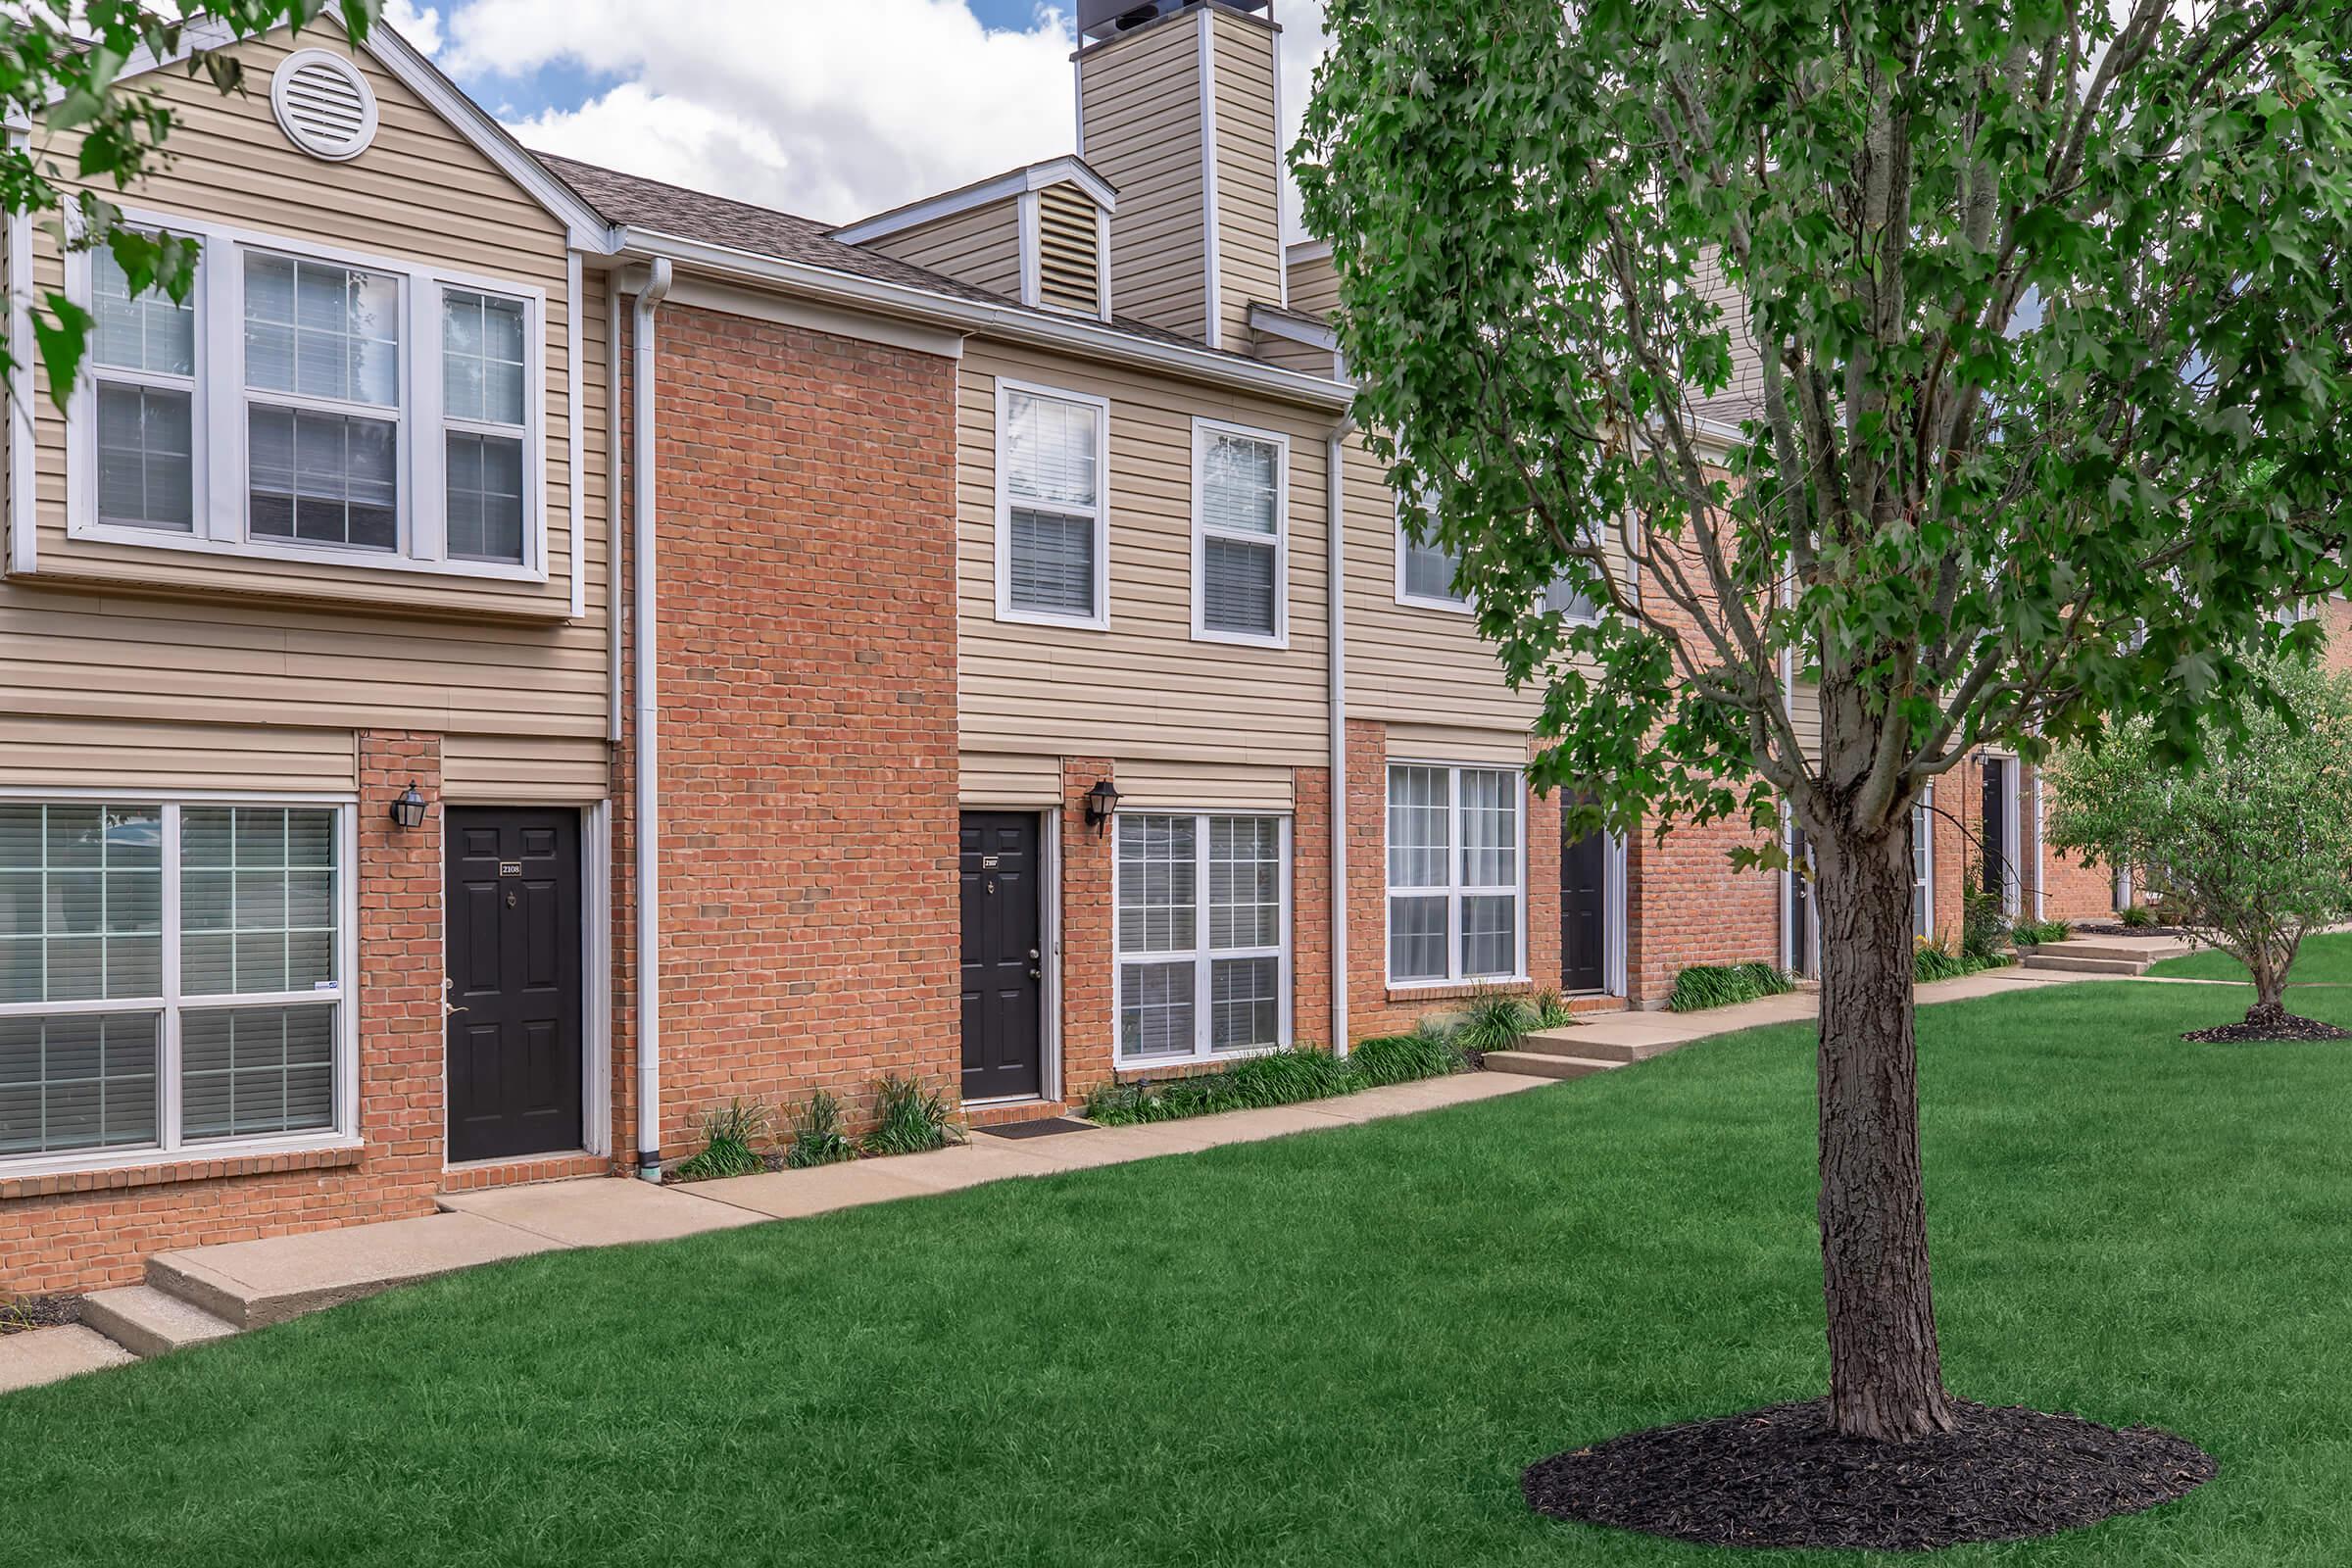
1064	171
1071	333
1276	324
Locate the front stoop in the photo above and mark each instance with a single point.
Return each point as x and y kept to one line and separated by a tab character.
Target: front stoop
146	1322
250	1284
2111	955
1573	1051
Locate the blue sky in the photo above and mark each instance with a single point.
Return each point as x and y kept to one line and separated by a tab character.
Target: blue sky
820	107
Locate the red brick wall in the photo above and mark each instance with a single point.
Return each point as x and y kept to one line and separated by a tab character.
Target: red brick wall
1086	998
96	1229
1310	906
807	537
1687	905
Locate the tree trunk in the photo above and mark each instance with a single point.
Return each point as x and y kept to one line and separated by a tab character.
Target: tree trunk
2270	979
1886	1372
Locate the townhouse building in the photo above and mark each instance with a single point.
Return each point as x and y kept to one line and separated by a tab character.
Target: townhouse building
528	653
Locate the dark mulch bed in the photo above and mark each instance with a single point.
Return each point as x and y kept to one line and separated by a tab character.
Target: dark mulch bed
2115	928
22	1313
2270	1021
1780	1477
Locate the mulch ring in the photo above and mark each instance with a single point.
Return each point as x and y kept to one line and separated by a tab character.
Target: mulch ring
2267	1021
20	1314
1780	1477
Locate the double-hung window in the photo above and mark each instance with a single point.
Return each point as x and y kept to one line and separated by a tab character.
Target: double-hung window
1456	874
309	404
1923	867
1202	935
1240	520
1425	568
173	976
1052	506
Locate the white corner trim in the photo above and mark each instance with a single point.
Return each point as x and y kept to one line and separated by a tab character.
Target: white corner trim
1213	332
1032	265
575	445
1101	265
1026	180
1100	620
1203	430
23	525
855	325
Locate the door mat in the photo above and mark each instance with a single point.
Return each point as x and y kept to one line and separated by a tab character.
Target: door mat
1041	1127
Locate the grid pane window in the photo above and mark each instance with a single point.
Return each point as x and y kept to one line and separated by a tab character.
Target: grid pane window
314	329
151	332
1052	492
485	374
1425	570
1241	499
1201	934
91	1012
143	370
1456	874
485	497
484	369
1923	907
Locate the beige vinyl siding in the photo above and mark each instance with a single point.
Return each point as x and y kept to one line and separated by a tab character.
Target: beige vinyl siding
1290	354
1145	688
1249	262
982	246
1804	716
1203	787
420	194
49	753
1457	743
1068	249
1142	107
525	771
138	637
993	778
1314	285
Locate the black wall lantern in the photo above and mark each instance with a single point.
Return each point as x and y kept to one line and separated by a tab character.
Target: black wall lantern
409	809
1101	801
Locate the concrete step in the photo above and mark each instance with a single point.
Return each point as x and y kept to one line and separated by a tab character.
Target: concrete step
2069	963
1542	1064
1578	1042
1584	1002
144	1321
250	1284
50	1355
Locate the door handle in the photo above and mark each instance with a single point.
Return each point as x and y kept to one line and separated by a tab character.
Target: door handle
448	1012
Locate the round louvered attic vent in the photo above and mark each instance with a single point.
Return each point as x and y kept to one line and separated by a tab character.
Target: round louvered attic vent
324	105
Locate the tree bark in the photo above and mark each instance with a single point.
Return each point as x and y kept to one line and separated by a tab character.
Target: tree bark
1886	1371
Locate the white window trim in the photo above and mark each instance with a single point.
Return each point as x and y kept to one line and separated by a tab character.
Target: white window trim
1453	607
1201	953
1454	890
219	426
1100	620
169	1149
1204	432
1927	863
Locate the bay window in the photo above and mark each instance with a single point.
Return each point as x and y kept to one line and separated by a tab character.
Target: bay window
173	976
1239	517
1456	874
307	403
1202	935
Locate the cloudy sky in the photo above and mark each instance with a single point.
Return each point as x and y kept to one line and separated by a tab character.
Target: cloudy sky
830	110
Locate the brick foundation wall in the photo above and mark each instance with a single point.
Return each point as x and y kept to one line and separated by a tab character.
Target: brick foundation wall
97	1229
807	689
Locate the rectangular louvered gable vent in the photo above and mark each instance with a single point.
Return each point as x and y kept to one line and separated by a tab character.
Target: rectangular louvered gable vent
1070	251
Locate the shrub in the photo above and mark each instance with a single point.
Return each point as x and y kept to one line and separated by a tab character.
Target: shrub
1402	1058
1279	1078
1493	1022
1933	960
2036	933
1983	927
818	1136
1707	985
908	1119
1552	1009
729	1140
2136	916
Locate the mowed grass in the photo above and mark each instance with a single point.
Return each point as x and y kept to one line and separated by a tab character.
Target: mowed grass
1331	1350
2324	960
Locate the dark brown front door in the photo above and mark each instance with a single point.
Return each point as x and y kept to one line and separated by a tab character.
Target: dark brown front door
1996	828
1583	913
513	914
1004	966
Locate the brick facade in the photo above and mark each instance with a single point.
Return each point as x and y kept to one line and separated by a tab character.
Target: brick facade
1687	905
1088	999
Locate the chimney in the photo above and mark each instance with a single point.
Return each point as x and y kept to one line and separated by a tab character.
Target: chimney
1178	108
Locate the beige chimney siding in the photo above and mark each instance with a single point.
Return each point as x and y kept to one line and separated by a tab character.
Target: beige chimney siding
1249	206
982	246
1140	97
211	646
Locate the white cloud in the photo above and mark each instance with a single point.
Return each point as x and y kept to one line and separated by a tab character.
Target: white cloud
420	25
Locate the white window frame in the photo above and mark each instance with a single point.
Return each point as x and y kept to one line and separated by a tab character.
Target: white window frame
1454	888
1206	431
1922	911
1201	955
168	1146
219	421
1007	611
82	405
1464	606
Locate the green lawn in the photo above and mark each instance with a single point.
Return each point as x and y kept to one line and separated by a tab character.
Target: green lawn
1333	1349
2324	960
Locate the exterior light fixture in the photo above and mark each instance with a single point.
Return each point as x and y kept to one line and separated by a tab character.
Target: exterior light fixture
1101	801
409	810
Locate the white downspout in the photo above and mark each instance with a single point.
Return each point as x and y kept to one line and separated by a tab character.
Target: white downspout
648	737
1335	595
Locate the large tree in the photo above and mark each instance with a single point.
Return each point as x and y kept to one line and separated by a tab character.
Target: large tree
1916	350
61	80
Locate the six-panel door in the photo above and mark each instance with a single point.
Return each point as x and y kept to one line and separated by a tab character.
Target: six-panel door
513	991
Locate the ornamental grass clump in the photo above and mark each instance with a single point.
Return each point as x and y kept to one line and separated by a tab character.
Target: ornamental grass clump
730	1143
1707	985
817	1135
1495	1022
910	1120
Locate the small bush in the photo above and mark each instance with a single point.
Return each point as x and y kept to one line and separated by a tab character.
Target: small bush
1983	927
730	1138
1404	1058
818	1136
1707	985
908	1119
1933	960
2035	933
1493	1022
1279	1078
2136	917
1552	1009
